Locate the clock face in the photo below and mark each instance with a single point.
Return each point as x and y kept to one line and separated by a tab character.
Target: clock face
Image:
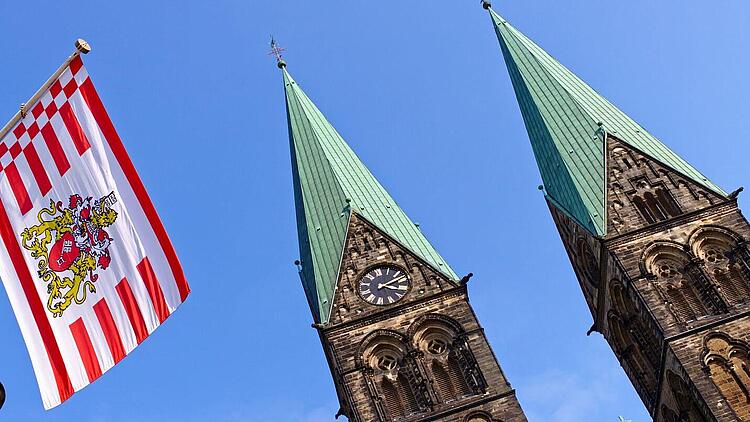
384	285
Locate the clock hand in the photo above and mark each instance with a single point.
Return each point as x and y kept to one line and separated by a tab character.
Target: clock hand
395	280
393	287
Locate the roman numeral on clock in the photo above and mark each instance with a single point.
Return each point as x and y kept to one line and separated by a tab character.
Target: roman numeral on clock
384	285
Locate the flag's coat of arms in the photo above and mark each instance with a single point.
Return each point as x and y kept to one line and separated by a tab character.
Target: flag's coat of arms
81	246
86	262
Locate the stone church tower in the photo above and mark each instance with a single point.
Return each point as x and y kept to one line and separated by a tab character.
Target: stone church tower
397	329
660	252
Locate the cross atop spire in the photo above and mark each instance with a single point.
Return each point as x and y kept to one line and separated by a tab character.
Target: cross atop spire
277	51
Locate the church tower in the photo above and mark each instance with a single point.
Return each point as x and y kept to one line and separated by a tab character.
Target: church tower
397	329
660	252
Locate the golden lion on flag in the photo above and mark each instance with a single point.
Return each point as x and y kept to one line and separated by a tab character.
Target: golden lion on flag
80	246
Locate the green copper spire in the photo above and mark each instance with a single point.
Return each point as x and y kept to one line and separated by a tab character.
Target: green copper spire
565	119
330	183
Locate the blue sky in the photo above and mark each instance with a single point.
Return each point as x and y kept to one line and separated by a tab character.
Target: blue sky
420	91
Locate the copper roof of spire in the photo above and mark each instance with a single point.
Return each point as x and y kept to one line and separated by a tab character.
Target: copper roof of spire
330	182
565	119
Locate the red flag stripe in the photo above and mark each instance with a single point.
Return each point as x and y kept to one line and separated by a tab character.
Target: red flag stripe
74	128
37	168
86	349
104	315
132	309
118	149
18	188
62	379
154	289
53	144
75	65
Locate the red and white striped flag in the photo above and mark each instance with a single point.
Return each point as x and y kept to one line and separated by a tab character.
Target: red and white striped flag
85	260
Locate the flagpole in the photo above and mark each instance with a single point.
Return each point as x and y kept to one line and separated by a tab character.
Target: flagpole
82	47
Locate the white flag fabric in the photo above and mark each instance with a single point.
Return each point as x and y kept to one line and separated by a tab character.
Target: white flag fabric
86	262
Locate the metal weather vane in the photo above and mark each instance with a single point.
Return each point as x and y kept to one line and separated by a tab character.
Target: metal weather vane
277	51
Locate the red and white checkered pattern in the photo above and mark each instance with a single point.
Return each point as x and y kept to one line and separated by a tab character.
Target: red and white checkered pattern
34	149
65	145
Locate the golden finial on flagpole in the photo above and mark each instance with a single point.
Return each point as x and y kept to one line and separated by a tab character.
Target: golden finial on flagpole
83	46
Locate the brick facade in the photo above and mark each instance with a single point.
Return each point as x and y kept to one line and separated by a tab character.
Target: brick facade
463	382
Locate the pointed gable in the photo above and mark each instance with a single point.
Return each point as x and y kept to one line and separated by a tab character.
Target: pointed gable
640	191
330	183
563	116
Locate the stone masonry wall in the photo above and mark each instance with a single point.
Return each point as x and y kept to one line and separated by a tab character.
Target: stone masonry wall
431	296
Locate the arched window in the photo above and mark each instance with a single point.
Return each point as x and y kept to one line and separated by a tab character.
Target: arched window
732	284
641	206
668	203
451	364
668	265
621	341
392	399
620	300
587	262
715	247
457	376
446	370
478	417
407	396
631	355
687	409
621	154
655	203
443	382
657	210
386	357
633	322
669	415
728	363
682	293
